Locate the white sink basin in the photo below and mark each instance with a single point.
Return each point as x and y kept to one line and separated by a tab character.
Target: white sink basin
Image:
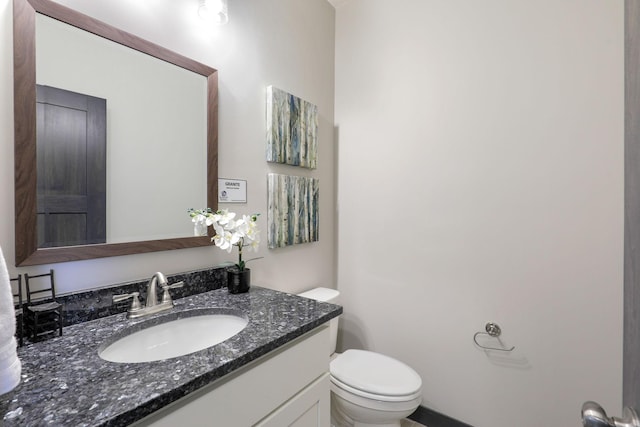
174	338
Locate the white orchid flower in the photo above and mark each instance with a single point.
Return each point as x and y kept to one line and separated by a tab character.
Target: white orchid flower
249	225
199	225
222	239
210	219
232	226
228	232
223	217
253	231
236	238
255	241
241	226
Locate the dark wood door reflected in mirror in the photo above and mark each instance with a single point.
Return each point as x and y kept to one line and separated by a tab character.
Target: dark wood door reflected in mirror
72	178
38	243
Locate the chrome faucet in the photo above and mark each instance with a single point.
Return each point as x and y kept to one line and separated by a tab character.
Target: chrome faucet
152	294
152	306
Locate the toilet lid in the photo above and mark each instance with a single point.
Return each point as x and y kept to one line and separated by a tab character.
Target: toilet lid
375	373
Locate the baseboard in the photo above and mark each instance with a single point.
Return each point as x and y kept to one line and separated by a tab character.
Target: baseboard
432	418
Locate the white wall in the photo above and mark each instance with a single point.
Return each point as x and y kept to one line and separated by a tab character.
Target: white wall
284	43
480	171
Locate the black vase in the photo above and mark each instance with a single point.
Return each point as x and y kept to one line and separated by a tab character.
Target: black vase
238	281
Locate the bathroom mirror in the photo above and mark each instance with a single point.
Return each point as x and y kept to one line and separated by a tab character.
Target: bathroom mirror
28	18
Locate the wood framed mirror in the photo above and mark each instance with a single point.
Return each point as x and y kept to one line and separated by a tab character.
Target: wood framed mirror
28	249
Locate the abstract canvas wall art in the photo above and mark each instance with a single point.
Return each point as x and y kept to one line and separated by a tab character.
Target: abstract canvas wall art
292	129
292	213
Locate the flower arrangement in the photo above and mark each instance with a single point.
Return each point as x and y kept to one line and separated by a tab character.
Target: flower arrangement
230	232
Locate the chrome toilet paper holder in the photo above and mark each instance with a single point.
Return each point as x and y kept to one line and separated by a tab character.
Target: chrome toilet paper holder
493	330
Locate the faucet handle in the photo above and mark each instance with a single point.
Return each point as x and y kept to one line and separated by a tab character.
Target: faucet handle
135	301
166	296
174	285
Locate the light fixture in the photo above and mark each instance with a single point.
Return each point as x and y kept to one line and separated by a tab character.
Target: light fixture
214	11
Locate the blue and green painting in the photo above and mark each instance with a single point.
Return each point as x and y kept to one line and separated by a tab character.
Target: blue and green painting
292	129
292	213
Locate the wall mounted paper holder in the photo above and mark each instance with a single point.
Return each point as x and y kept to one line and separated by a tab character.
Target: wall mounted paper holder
493	330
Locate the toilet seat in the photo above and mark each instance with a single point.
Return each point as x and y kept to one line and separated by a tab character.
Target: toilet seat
375	376
351	393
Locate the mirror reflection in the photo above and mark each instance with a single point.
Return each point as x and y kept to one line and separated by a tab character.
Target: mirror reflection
155	123
71	168
122	134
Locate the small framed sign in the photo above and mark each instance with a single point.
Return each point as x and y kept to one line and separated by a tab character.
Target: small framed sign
232	190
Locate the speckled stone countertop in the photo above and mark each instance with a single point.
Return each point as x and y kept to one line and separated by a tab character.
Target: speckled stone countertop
65	382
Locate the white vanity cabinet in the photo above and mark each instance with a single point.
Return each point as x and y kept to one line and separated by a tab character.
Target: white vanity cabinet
287	387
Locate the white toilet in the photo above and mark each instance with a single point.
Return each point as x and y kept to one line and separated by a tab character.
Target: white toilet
367	388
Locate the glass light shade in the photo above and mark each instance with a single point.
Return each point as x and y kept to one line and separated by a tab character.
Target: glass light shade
214	11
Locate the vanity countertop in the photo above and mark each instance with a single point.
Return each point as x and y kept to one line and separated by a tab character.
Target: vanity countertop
65	382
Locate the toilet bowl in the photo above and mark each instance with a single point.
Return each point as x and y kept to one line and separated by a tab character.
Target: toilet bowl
367	388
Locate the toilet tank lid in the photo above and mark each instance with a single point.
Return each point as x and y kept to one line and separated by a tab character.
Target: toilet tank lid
322	294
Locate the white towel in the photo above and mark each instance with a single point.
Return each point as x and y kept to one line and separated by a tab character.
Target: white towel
10	366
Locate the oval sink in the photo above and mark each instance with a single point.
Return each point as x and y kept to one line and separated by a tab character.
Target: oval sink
173	338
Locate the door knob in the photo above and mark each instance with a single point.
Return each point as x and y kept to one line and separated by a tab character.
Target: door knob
594	416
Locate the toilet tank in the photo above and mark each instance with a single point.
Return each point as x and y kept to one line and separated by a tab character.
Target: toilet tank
331	296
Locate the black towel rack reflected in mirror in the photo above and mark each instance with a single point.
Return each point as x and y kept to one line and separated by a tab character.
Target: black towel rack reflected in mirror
493	330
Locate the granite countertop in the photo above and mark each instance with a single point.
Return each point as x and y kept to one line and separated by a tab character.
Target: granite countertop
65	382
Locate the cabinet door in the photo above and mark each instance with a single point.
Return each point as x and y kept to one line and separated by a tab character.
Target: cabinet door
308	408
260	390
